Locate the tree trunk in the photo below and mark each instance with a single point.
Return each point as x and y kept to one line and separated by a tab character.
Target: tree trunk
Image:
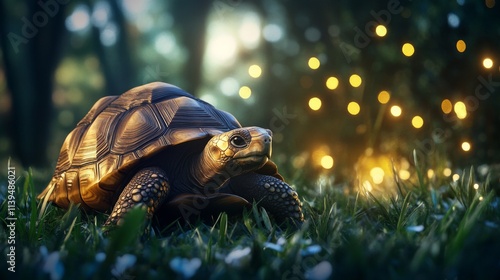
30	62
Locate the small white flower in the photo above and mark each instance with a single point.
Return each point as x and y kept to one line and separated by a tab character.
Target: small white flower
53	266
185	267
122	264
44	252
311	250
100	257
238	257
281	241
273	246
418	228
321	271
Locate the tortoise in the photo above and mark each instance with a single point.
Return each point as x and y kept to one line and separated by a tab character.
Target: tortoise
160	148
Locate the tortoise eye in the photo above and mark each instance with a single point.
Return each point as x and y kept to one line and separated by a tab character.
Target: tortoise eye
238	141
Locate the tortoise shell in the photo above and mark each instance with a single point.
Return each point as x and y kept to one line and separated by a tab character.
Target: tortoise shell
120	133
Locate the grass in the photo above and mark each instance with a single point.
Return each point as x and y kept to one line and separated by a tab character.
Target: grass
421	231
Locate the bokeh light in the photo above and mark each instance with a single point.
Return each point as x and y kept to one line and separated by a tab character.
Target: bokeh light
408	49
460	109
221	45
272	32
245	92
254	71
384	97
313	63
355	80
487	63
367	186
447	172
327	162
446	106
453	20
455	177
353	108
249	31
381	30
315	103
78	20
404	174
430	173
332	83
229	86
396	111
417	121
466	146
461	46
377	175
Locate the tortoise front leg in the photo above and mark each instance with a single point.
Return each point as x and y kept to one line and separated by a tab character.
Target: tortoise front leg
148	188
276	196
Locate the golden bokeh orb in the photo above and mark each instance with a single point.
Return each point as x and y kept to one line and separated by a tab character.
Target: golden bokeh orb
315	103
408	49
313	63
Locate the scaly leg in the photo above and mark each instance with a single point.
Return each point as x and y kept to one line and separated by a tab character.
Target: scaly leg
148	188
276	196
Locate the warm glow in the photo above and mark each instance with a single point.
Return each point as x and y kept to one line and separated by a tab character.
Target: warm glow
408	49
430	173
460	110
313	63
447	172
332	83
466	146
476	186
299	161
404	174
249	31
315	103
353	108
455	177
245	92
355	80
384	97
254	71
377	175
368	186
221	47
381	30
327	162
488	63
417	122
396	111
461	46
446	106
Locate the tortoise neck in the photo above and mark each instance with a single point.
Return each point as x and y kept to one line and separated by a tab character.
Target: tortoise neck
207	173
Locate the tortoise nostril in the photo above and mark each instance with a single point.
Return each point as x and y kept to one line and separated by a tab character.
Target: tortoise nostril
267	139
269	132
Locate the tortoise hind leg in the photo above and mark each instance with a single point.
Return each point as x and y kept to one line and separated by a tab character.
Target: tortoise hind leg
149	187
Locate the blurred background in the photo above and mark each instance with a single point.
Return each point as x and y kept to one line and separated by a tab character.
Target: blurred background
351	89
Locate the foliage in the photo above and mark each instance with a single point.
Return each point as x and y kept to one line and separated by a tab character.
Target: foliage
448	232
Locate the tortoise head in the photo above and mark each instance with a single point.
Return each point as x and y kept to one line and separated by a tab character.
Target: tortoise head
240	150
230	154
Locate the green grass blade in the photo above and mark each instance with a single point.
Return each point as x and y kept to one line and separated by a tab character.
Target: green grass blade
403	213
266	219
30	192
222	228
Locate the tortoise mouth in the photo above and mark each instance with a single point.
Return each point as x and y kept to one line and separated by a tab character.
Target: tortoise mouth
254	155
